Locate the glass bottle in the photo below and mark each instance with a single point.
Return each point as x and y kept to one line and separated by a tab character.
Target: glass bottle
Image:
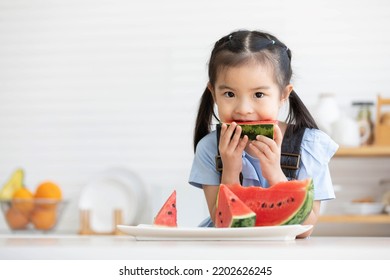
366	125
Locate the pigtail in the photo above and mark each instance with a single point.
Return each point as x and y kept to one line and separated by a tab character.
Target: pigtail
204	117
298	113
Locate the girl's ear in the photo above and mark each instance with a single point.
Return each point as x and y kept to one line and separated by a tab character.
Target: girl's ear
211	89
286	93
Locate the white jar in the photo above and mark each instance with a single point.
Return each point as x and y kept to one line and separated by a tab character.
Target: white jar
326	112
346	132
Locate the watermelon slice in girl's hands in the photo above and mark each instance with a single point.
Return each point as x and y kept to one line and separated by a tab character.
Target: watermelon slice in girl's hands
167	216
254	128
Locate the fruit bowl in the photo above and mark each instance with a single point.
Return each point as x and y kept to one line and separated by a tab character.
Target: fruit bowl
38	214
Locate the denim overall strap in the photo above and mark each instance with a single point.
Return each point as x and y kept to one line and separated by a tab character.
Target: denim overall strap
290	158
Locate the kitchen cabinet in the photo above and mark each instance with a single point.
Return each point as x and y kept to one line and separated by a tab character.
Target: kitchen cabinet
361	155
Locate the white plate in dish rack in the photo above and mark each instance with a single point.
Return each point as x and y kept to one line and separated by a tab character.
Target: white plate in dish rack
150	232
116	188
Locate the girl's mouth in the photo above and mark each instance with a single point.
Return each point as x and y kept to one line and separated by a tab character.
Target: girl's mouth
245	121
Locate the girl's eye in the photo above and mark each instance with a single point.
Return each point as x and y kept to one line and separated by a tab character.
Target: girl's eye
229	94
259	94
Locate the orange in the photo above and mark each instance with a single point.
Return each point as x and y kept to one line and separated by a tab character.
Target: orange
23	193
16	219
44	219
48	190
22	200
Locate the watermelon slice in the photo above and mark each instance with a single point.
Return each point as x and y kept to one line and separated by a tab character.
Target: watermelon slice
231	211
167	216
252	129
284	203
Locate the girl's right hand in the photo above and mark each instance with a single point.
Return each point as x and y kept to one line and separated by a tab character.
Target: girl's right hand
231	147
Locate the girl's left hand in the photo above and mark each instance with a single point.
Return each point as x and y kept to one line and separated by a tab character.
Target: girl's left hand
268	152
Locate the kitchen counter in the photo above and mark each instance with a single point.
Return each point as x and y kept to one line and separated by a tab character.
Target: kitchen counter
70	246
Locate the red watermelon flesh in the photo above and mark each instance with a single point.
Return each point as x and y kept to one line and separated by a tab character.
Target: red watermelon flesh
167	216
257	122
231	211
287	202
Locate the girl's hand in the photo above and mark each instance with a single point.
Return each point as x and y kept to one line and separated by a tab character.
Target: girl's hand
268	152
231	147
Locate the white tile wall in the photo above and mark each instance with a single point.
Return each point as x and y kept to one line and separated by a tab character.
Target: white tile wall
86	85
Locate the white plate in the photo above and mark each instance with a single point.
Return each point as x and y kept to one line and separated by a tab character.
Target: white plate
150	232
116	188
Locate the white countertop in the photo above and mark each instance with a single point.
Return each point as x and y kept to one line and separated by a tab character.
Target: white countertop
71	246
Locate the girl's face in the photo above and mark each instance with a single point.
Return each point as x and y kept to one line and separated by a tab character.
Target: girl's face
248	93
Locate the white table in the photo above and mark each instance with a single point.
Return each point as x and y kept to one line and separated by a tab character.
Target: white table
72	246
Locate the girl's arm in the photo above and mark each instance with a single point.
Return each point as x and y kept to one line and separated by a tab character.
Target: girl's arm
268	152
230	147
311	219
211	193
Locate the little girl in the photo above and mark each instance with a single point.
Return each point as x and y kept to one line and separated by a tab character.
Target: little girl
249	80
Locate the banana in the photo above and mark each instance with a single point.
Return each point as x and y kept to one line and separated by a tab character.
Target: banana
13	184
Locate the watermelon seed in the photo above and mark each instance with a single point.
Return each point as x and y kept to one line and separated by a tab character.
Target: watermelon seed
169	213
220	213
271	206
173	205
233	200
264	205
279	203
292	199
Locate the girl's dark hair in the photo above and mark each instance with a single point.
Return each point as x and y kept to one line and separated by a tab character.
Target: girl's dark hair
238	48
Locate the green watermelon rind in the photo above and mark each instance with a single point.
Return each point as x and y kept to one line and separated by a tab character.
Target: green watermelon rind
252	130
304	211
244	221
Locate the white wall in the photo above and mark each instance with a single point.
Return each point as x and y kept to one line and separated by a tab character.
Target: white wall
86	85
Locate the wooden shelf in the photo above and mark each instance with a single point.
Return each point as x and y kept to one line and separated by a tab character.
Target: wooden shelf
364	151
372	219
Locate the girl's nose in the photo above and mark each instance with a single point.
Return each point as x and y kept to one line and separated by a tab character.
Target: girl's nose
244	107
